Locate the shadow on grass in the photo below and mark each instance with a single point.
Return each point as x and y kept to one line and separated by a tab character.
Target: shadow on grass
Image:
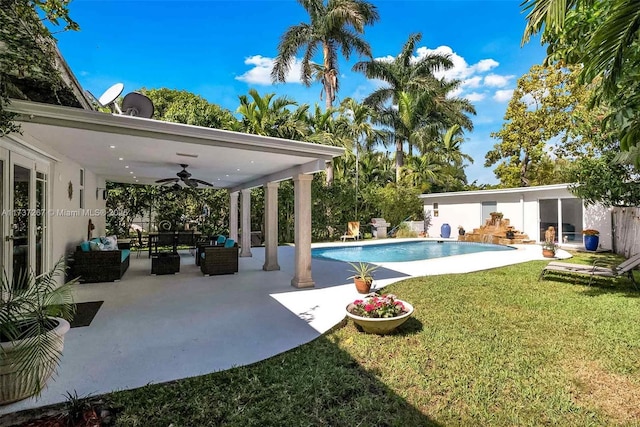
599	285
318	384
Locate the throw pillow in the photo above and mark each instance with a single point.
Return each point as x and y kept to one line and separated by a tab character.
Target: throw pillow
110	243
94	246
85	246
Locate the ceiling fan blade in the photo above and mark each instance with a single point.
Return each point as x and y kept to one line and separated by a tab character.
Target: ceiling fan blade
165	180
199	181
191	182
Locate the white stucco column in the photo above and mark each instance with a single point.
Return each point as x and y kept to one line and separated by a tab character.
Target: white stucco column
271	227
245	250
233	215
302	232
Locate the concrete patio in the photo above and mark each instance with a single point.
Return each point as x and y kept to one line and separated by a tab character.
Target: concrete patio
154	329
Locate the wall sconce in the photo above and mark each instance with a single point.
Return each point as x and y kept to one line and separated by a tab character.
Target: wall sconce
104	193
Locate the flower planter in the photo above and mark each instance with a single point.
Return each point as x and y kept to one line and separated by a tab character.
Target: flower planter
16	385
591	242
363	286
445	231
548	253
384	325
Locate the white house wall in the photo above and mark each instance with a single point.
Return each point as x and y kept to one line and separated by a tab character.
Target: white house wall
521	208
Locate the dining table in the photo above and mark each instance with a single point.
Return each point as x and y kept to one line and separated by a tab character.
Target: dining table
173	239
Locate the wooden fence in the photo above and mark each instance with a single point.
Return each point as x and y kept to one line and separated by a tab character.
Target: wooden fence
626	231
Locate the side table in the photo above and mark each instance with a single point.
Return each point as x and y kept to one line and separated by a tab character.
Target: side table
165	263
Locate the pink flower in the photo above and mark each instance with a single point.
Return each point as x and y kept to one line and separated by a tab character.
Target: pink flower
369	308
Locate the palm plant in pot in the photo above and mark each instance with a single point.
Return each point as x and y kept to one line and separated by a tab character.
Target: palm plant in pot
34	314
363	277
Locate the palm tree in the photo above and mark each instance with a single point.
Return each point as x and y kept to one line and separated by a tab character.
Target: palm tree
451	147
414	103
335	26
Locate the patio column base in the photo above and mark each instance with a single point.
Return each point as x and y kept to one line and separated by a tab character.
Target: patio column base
302	283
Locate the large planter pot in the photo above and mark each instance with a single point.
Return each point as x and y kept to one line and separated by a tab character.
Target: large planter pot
547	253
445	231
363	286
591	242
384	325
16	385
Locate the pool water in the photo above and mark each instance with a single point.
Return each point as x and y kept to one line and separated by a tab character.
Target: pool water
403	251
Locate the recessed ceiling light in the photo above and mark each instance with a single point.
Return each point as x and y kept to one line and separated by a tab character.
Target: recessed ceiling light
131	172
120	158
134	177
238	170
137	180
218	179
251	161
126	167
227	175
112	146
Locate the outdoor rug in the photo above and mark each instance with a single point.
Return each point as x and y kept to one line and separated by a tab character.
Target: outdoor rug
85	312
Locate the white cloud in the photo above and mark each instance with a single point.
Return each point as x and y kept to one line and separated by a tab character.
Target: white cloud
496	80
503	95
486	65
472	82
260	74
461	69
475	96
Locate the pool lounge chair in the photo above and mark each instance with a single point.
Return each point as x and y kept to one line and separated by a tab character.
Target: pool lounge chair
353	231
624	269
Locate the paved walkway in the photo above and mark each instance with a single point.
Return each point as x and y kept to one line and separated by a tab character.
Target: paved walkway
154	329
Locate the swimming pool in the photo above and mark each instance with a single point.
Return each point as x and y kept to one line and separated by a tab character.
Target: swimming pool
403	251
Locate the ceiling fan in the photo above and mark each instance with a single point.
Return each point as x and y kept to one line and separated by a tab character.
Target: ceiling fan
185	177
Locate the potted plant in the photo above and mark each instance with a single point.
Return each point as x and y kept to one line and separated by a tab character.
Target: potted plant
461	230
34	314
363	277
379	314
591	239
549	249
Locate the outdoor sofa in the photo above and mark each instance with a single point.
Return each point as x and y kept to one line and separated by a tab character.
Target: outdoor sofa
99	265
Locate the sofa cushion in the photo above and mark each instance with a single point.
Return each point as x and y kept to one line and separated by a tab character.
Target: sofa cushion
229	243
124	254
95	246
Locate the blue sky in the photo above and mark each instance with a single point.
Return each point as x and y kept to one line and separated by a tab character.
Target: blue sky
219	49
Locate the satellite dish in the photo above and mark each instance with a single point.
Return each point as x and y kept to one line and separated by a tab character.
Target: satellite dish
136	104
108	98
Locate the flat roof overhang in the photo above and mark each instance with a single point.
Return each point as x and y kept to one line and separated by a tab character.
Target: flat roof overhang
153	149
517	190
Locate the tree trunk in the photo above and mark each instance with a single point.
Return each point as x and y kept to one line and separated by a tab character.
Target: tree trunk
524	181
399	159
328	168
330	78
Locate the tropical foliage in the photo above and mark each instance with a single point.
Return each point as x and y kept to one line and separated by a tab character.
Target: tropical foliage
602	35
26	62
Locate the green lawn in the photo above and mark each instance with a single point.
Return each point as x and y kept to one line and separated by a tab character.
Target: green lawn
489	348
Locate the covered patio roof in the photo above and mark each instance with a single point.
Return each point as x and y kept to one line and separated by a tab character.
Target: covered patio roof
133	150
